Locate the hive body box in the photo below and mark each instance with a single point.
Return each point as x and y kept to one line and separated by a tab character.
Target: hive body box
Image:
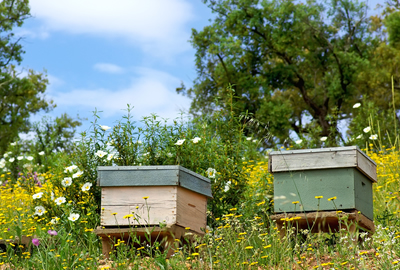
176	196
343	172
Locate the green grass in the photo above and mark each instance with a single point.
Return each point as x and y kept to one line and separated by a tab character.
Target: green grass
244	238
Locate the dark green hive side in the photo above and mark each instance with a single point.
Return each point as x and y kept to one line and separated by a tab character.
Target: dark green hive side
352	189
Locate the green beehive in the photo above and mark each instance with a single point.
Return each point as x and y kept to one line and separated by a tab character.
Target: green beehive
342	172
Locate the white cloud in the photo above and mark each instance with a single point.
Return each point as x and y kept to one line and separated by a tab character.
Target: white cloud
150	91
108	68
38	33
54	81
151	24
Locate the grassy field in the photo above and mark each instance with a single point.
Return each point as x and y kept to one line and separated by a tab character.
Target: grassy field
236	240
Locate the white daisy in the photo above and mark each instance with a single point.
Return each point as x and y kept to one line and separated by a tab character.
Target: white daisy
373	137
77	174
37	195
39	210
367	129
180	142
73	217
70	168
196	140
60	200
86	186
66	182
100	153
211	173
105	128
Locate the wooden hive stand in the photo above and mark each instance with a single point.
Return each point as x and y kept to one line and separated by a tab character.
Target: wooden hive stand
25	243
326	221
164	235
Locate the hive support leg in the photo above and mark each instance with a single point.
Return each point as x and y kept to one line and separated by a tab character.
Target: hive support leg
106	246
175	232
26	242
166	237
352	230
281	229
169	244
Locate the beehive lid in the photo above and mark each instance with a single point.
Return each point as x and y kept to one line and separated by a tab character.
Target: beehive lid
322	158
166	175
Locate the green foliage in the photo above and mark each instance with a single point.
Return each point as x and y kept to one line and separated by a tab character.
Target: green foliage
47	143
12	14
372	125
240	237
51	136
205	145
375	81
21	96
392	23
285	60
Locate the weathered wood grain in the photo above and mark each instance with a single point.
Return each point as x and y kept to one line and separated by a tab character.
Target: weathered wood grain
367	167
191	210
324	158
119	176
169	204
324	221
159	207
165	236
352	189
187	181
174	196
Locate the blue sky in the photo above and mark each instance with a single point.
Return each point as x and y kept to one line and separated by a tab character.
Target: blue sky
105	54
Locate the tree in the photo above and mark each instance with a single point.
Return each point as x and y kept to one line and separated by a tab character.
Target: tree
380	81
53	135
294	66
21	96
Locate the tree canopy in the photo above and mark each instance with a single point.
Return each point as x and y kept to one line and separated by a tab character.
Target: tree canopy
296	67
20	95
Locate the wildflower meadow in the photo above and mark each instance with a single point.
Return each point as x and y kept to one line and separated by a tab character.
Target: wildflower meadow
48	213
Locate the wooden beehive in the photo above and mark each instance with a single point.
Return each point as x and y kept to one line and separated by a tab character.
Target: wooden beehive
342	172
172	195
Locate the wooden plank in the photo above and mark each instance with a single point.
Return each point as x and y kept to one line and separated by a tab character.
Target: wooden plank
138	177
118	176
191	210
324	220
323	158
117	231
165	236
303	186
25	241
367	167
155	216
195	184
312	161
132	168
363	194
159	207
196	175
314	150
134	195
